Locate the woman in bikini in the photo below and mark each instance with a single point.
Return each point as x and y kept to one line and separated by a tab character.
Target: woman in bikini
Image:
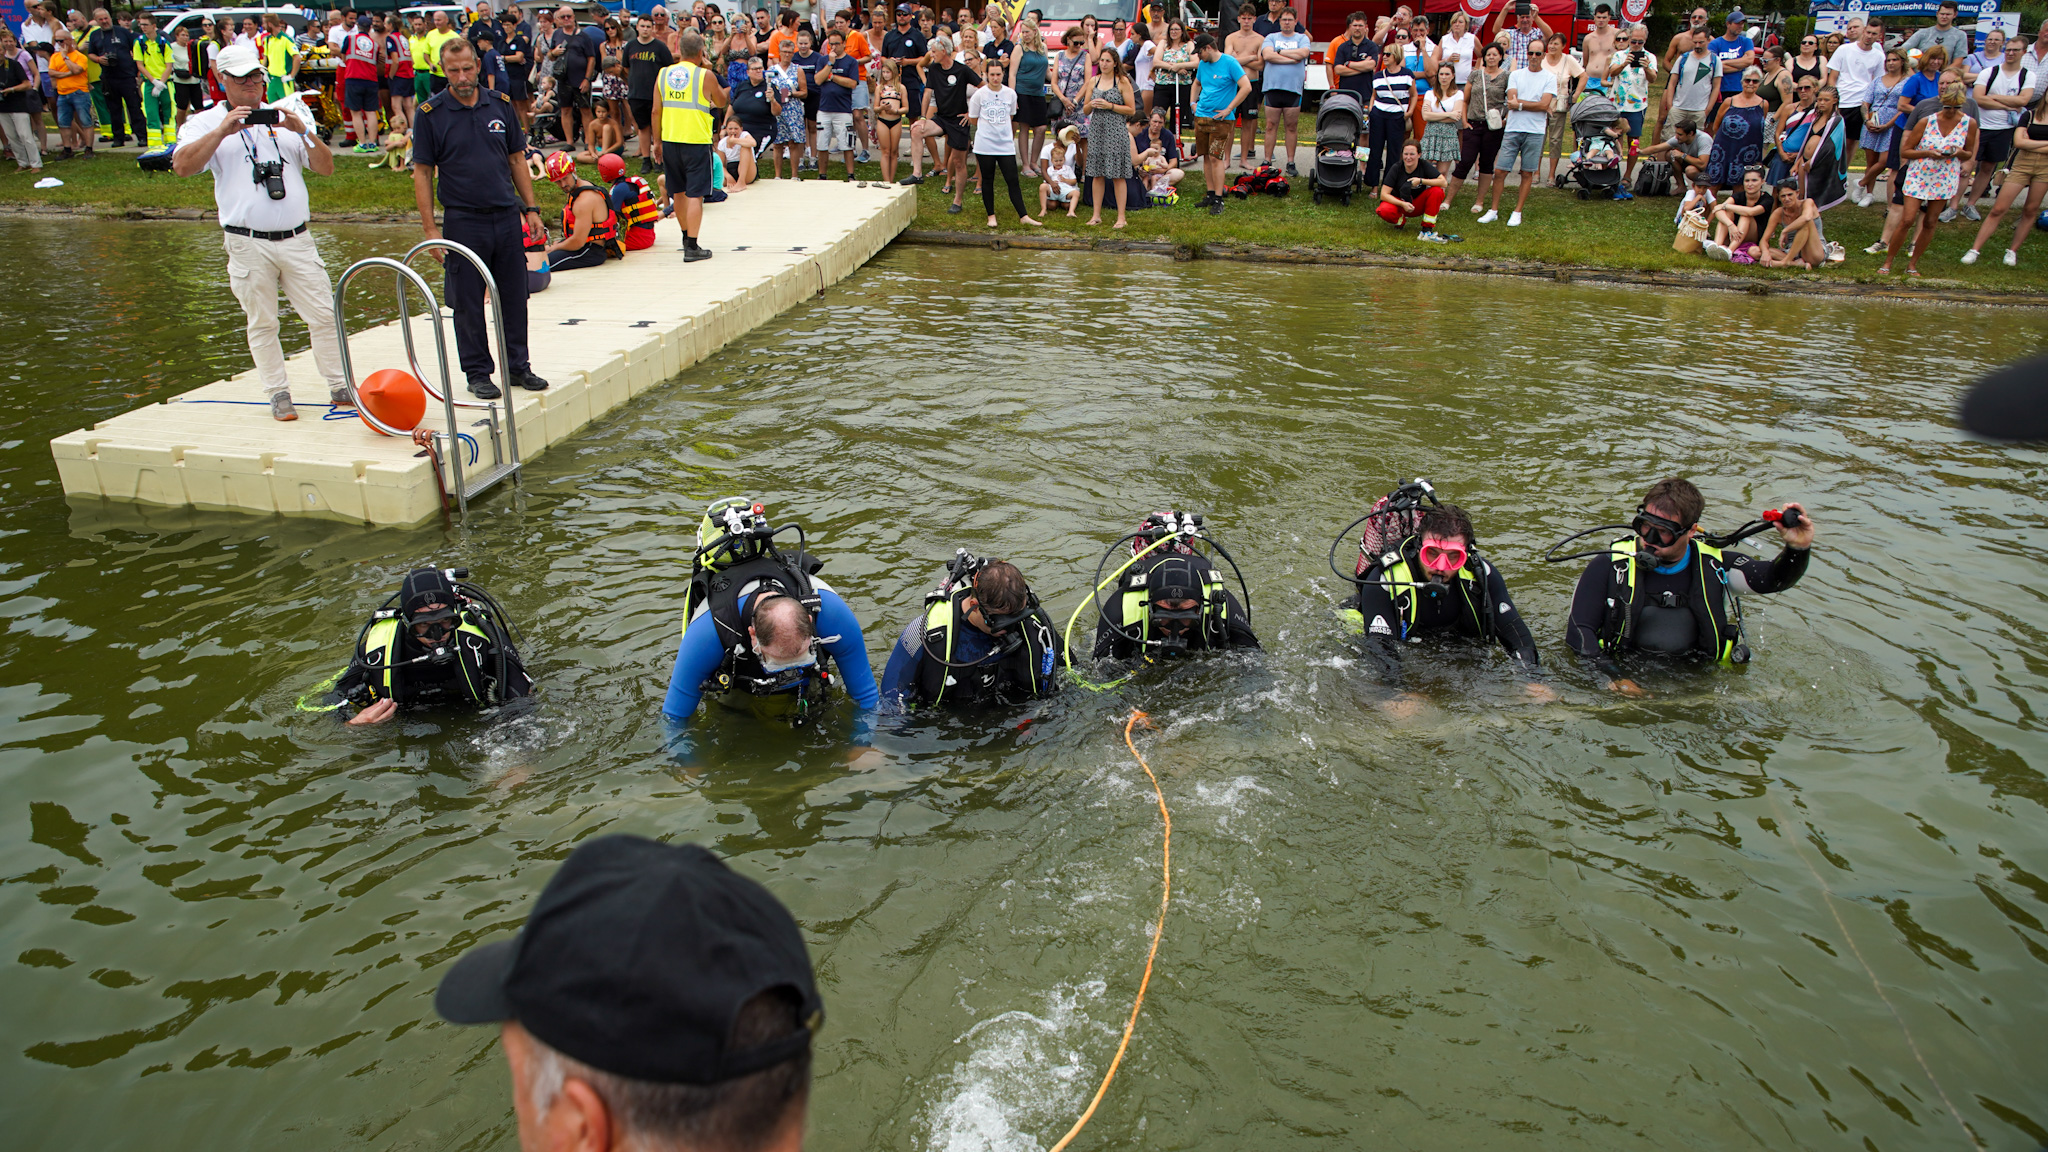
890	102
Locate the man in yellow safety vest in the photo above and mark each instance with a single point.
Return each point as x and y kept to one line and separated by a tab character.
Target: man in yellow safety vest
687	92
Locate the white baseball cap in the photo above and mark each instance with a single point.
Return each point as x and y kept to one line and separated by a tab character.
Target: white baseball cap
238	60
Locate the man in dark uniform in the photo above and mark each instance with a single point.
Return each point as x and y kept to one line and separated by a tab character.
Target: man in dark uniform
470	135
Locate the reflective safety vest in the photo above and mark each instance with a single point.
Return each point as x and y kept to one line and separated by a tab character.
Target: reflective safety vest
1025	671
1716	634
685	113
641	211
1137	602
605	232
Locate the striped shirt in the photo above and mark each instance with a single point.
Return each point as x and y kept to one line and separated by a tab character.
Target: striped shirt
1393	89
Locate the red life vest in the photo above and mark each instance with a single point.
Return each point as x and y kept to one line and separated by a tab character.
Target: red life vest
642	211
398	54
605	231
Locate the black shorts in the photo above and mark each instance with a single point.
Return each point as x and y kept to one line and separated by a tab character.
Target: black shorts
1852	124
588	256
1249	110
643	112
957	134
192	97
515	87
576	98
1283	99
811	106
1031	111
687	168
359	95
1994	145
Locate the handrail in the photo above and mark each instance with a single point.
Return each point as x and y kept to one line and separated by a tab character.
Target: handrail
401	274
497	325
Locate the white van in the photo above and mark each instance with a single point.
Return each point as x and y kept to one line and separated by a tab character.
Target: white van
169	20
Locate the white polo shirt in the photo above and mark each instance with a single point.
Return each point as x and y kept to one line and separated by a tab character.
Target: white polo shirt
240	200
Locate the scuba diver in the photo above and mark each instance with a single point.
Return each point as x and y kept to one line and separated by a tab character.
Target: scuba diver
446	642
759	623
1170	599
983	638
1419	570
1666	587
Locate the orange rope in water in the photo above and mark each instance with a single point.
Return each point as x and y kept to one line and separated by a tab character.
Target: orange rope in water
1158	930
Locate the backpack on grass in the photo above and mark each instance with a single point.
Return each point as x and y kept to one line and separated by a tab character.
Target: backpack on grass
1654	178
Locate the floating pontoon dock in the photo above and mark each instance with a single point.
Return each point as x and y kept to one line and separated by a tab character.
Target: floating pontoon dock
600	336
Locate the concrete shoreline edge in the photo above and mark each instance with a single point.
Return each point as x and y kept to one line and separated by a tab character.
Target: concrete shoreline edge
1707	279
1905	292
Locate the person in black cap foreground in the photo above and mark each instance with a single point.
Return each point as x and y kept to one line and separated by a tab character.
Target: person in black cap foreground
438	640
654	999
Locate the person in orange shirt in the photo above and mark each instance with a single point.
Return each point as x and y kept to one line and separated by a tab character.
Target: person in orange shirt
70	71
787	31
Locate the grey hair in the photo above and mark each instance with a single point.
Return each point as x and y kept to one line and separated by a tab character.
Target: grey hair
1752	73
942	43
1635	28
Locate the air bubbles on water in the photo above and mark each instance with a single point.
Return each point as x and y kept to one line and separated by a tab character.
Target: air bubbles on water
1023	1072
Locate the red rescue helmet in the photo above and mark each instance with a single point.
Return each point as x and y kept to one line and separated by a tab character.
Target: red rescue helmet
611	166
558	165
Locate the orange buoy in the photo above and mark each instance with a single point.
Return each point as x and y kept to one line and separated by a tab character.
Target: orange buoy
393	396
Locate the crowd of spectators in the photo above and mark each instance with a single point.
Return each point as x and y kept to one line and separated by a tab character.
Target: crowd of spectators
1117	112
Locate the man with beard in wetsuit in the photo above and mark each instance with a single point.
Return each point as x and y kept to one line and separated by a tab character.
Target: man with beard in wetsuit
444	644
1665	590
1435	581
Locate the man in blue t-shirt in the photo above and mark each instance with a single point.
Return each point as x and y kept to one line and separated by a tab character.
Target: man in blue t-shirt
1735	51
1286	53
1356	60
1220	86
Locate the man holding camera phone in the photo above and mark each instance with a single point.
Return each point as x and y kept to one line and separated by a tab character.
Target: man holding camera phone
257	154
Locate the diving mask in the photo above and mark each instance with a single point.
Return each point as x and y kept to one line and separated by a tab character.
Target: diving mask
1443	558
776	667
1655	530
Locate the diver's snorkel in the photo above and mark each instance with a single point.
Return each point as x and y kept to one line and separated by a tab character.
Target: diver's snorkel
1645	519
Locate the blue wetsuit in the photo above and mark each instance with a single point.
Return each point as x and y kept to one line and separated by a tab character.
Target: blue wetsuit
899	677
700	653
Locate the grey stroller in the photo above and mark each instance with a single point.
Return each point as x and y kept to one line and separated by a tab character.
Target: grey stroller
1596	162
1338	124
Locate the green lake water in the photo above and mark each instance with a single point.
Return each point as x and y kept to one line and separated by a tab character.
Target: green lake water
1796	905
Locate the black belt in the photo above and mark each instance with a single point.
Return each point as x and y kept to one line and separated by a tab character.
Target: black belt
253	235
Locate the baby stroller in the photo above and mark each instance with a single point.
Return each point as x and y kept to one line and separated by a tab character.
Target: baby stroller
1596	162
1338	123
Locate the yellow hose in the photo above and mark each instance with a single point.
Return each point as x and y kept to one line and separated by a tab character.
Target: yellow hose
1158	929
1068	639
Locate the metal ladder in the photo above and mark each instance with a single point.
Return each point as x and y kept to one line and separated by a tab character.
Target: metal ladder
503	436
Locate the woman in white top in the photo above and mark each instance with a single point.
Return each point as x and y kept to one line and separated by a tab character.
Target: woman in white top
735	150
990	110
1459	47
1443	117
1141	65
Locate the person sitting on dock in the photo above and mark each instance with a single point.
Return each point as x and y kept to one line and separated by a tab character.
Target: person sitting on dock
633	201
590	229
259	191
438	641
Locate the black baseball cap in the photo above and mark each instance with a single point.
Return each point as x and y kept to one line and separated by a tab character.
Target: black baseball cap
636	960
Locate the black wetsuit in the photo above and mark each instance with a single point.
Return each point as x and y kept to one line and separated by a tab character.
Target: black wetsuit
1665	618
428	685
1111	641
1471	610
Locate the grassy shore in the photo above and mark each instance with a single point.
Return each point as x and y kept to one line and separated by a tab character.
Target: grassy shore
1558	230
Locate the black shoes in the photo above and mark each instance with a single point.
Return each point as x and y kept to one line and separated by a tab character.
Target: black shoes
908	180
525	378
1215	204
646	165
695	253
482	388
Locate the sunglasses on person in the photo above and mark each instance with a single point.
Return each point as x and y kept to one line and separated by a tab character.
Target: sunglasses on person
1443	557
1805	88
1655	530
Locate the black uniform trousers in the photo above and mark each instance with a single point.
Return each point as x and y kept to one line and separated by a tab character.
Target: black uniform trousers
497	240
124	108
1386	132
